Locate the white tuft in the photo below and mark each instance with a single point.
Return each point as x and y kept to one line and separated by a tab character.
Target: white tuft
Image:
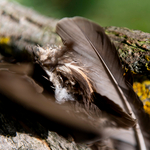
62	95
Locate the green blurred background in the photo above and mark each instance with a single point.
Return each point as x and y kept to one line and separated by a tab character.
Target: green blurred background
133	14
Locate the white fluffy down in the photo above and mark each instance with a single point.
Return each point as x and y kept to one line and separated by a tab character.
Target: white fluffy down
62	95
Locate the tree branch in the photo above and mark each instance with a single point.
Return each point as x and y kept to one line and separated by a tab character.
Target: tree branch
22	28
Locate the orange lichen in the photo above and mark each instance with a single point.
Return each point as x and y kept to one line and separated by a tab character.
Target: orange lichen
143	91
147	107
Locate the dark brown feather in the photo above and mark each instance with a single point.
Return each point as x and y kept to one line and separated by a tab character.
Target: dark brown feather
85	37
21	89
92	48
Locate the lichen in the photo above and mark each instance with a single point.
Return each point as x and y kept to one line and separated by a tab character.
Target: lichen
134	50
147	107
147	66
147	57
4	40
143	91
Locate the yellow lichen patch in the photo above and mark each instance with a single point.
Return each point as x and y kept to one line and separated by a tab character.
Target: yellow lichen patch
126	70
147	107
146	82
143	91
4	40
133	72
138	88
147	57
147	66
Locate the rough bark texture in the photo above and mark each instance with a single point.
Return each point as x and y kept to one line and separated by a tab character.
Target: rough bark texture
133	47
20	29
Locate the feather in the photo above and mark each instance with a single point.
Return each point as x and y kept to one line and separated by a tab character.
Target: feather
19	88
86	71
90	47
77	40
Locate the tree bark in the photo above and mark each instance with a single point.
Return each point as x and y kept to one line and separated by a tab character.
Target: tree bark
22	28
133	47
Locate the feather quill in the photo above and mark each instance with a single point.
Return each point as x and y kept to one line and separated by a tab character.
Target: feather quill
92	47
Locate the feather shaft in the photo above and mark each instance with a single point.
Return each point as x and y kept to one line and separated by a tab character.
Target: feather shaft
136	128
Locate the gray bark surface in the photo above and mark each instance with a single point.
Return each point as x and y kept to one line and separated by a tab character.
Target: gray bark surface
25	28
